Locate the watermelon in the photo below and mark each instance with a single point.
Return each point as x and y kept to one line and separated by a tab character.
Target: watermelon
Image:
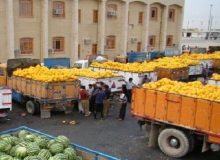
12	151
33	158
15	158
33	149
42	142
2	153
61	156
5	146
30	138
20	152
45	154
5	135
22	133
6	157
71	153
50	143
56	148
63	140
79	158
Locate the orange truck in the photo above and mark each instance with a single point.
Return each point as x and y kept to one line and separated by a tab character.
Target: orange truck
177	122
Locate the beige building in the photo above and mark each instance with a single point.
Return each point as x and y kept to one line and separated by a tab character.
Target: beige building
76	28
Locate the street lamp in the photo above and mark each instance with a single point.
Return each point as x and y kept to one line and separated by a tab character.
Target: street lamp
210	21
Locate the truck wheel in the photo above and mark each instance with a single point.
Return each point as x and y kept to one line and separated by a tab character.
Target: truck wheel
31	107
174	143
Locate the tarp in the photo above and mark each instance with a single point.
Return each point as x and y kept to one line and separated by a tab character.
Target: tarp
13	64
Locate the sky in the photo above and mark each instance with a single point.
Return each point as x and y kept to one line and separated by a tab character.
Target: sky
197	14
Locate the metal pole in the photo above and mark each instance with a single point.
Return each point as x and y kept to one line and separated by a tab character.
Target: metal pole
209	24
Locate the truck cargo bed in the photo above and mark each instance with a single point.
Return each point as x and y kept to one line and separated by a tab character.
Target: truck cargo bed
86	153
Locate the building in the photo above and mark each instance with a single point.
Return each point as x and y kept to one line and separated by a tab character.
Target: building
76	28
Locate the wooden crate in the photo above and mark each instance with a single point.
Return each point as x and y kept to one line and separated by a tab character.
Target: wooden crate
23	85
173	74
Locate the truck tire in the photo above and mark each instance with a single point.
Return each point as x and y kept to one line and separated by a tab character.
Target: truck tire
173	143
31	107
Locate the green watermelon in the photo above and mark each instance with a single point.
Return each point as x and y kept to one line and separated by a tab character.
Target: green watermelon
15	158
60	156
63	140
5	146
33	149
33	158
71	153
6	157
45	154
12	151
20	152
22	133
79	158
56	148
30	137
50	143
42	142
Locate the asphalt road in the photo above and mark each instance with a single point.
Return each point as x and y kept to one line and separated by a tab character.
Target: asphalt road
122	139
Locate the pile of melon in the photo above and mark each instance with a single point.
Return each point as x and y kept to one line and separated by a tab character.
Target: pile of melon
29	146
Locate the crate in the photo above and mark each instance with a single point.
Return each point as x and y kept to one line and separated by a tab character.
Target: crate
173	74
71	89
86	153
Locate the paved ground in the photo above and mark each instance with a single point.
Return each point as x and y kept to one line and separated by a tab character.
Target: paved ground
122	139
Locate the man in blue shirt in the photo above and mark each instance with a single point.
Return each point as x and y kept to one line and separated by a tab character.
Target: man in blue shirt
99	99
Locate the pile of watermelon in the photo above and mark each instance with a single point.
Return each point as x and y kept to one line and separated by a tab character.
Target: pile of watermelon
24	145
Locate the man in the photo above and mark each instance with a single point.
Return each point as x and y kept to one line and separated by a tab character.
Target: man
99	99
123	100
84	98
146	80
106	101
129	86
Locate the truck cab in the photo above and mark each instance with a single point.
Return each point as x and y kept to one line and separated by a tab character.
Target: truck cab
3	73
5	93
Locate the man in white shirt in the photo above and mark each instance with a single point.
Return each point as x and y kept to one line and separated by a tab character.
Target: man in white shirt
129	86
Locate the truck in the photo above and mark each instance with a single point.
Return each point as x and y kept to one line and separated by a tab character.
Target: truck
177	122
41	97
115	83
5	94
137	77
5	101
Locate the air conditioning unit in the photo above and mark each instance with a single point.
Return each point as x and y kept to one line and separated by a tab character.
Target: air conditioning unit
58	11
50	50
133	40
112	13
87	41
17	51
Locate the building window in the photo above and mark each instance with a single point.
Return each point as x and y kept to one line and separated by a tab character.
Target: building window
140	18
26	8
169	41
95	16
79	15
154	13
58	44
26	45
110	42
139	46
171	14
112	11
152	41
58	9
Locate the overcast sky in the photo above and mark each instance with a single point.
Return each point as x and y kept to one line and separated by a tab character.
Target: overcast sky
197	13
